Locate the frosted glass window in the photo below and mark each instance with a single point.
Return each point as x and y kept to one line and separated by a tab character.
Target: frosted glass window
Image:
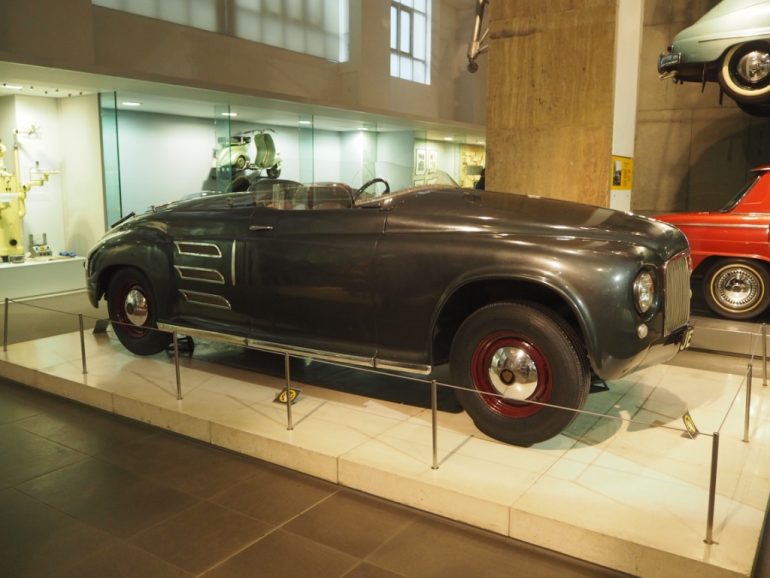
418	45
196	13
314	27
405	44
410	44
393	29
307	26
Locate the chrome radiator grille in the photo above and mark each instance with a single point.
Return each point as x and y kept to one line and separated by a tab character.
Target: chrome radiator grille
677	292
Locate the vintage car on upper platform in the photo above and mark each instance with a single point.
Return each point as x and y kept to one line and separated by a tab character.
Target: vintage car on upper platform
731	249
525	297
730	44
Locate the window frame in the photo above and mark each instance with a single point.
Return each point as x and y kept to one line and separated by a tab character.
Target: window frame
397	11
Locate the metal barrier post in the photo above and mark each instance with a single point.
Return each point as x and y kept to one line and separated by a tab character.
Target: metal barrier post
176	364
82	344
434	411
290	422
5	326
747	411
712	489
764	354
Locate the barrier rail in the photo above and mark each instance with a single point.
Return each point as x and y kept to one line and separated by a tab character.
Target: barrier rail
434	384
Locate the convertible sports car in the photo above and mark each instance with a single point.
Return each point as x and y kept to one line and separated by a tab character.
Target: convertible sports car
730	250
524	297
730	44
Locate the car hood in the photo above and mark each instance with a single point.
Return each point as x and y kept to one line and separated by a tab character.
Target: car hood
505	213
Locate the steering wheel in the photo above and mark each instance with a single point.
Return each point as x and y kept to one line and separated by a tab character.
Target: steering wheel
369	183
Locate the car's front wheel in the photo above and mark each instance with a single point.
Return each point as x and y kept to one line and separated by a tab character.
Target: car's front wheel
744	72
506	355
240	163
274	172
737	288
133	310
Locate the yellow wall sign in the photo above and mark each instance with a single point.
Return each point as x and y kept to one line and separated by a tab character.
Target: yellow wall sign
622	173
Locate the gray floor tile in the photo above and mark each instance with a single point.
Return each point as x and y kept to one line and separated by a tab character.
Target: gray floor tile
20	402
187	465
121	560
361	523
107	497
431	547
35	538
366	570
85	429
275	495
27	456
283	555
201	537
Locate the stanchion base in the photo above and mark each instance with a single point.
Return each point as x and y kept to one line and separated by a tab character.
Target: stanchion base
185	344
101	326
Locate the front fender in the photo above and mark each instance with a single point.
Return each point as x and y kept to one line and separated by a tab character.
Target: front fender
148	250
593	280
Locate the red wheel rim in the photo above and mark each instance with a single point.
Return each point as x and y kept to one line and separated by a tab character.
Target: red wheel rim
484	362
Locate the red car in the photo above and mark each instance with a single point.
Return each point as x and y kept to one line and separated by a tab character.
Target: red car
731	250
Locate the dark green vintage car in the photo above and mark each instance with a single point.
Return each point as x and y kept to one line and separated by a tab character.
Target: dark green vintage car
525	297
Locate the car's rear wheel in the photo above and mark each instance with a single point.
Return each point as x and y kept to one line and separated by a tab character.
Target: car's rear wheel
240	163
744	73
133	309
508	354
737	288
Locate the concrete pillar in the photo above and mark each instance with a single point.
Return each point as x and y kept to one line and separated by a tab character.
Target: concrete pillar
562	97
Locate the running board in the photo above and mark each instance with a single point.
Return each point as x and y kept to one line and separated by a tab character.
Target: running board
356	361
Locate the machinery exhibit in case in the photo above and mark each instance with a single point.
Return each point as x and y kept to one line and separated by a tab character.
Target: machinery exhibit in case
13	207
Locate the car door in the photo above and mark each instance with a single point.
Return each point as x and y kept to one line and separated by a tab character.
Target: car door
317	276
208	267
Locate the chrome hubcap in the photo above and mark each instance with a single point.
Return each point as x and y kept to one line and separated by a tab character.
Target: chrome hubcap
513	373
754	67
135	307
737	288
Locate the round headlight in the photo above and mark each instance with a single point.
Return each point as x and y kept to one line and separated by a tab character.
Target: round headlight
644	292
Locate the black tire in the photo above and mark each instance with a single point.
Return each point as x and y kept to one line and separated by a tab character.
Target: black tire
274	172
240	163
545	344
737	288
744	73
133	309
759	109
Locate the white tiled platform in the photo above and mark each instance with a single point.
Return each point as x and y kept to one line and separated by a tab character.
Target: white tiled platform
623	494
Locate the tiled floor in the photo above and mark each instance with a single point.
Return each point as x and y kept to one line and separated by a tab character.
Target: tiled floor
84	494
612	490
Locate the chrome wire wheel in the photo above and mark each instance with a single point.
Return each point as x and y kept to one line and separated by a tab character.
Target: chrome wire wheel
737	289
